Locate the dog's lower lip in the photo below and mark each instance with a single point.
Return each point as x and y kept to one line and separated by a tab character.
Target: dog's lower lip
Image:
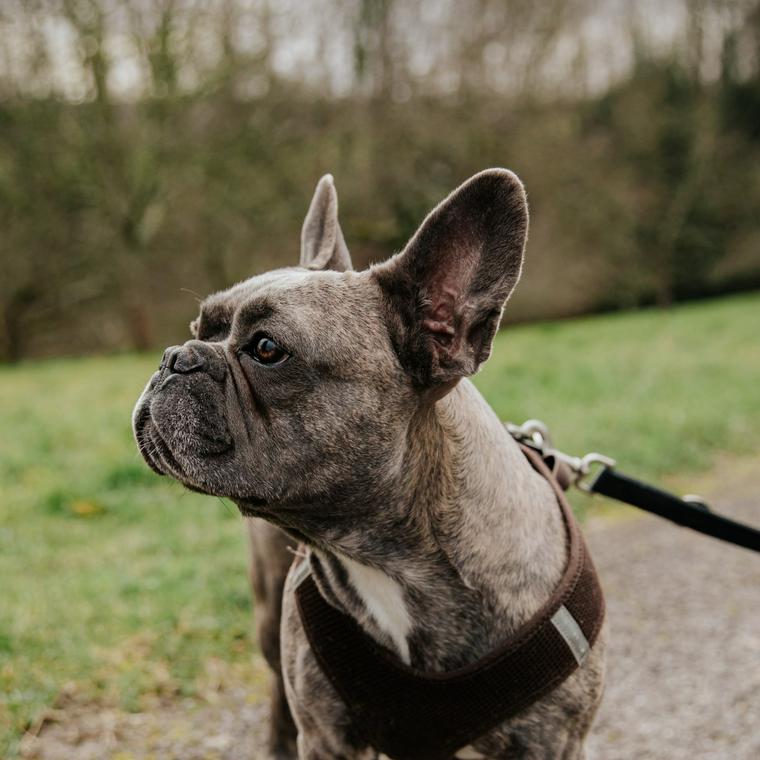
142	445
165	455
248	506
254	501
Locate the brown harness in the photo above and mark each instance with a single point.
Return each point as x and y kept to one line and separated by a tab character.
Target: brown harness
412	715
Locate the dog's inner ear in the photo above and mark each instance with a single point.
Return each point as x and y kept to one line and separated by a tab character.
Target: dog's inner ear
322	242
447	289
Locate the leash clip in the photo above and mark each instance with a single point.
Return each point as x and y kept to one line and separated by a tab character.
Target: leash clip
586	474
533	432
581	468
536	433
588	463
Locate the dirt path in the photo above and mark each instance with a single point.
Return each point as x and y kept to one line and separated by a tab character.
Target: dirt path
684	668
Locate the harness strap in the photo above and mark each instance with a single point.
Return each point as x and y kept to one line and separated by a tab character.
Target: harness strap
413	715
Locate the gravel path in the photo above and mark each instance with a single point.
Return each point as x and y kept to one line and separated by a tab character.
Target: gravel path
683	679
684	659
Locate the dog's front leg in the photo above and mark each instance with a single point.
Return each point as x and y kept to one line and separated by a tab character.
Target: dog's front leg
309	751
324	726
269	563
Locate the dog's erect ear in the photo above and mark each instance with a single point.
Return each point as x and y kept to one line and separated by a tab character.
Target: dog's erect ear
446	290
322	243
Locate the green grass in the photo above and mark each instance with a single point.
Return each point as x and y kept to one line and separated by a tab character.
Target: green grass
114	582
663	392
118	586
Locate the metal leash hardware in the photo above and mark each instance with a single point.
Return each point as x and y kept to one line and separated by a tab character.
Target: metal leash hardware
597	474
535	434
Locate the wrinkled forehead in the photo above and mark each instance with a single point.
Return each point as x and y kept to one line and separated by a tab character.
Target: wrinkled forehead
226	303
309	310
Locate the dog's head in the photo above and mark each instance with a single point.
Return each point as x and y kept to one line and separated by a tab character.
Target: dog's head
299	385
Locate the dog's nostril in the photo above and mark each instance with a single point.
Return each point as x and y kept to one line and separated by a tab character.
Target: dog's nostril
185	360
166	359
191	357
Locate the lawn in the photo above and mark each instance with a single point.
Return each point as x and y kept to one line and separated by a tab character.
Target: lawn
119	586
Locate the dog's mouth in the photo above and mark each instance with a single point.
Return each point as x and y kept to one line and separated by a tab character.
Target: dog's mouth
252	507
159	457
154	449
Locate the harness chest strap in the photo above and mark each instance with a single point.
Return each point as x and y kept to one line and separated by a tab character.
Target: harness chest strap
413	715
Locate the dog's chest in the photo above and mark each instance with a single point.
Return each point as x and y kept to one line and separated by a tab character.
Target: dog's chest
383	599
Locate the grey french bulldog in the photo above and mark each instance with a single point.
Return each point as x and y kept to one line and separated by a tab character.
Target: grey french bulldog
334	408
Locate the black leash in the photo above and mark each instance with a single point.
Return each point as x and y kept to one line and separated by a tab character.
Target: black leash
688	511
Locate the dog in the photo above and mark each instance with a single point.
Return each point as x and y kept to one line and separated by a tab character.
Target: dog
334	408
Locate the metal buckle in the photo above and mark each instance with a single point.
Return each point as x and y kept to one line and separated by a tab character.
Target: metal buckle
533	432
536	433
697	501
583	481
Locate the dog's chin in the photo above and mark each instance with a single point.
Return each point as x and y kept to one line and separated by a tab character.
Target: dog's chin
156	453
252	507
159	456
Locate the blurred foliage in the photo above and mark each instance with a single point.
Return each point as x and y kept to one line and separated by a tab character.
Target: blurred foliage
149	147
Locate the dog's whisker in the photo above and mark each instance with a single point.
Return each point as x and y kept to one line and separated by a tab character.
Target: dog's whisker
197	296
227	506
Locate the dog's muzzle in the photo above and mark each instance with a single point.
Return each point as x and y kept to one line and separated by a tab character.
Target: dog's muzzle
154	436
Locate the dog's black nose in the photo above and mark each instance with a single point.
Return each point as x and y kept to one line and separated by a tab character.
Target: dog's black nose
183	359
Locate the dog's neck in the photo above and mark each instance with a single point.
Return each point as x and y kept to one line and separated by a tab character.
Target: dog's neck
464	547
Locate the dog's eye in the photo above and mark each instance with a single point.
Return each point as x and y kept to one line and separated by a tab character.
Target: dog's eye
266	351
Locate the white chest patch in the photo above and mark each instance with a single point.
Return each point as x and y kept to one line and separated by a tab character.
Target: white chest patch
385	602
468	753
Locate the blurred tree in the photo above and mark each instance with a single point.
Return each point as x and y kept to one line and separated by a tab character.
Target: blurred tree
150	146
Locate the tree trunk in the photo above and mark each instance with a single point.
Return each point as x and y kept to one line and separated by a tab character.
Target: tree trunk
12	343
137	324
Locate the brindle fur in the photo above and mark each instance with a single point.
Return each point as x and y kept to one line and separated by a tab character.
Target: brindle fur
370	446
